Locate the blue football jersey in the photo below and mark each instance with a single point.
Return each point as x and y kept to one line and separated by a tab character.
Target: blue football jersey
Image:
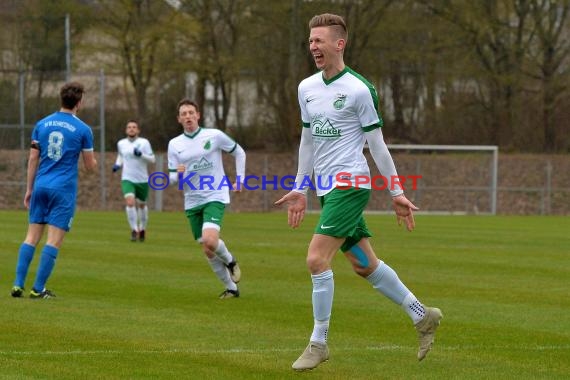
61	137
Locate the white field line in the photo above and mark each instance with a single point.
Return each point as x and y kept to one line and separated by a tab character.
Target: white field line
270	350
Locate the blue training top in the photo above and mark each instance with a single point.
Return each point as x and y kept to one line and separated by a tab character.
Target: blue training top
61	137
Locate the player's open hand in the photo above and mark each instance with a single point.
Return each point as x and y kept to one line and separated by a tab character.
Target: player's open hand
404	211
296	205
237	187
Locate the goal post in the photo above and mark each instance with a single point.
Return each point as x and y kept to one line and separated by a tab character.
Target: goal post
447	179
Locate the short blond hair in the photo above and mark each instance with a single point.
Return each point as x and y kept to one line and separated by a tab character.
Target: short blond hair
331	20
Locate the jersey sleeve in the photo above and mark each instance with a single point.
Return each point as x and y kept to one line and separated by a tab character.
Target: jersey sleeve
87	141
147	153
303	107
119	160
173	160
35	136
146	148
367	109
225	142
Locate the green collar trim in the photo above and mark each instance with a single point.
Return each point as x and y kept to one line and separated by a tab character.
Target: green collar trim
329	81
192	135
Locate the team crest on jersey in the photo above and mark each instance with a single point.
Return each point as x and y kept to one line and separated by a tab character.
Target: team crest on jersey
339	101
208	145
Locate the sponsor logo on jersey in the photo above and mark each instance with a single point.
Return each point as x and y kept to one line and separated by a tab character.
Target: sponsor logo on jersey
325	129
203	164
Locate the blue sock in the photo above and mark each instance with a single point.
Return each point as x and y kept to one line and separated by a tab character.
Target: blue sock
47	262
25	256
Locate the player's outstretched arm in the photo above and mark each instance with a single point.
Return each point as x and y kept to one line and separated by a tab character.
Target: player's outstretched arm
404	211
296	206
296	200
402	206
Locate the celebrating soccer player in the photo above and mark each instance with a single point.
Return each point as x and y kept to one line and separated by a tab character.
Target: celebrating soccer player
339	111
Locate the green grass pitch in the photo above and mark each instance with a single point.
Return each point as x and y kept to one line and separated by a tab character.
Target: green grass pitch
150	310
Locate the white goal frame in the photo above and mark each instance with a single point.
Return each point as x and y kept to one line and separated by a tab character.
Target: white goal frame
493	149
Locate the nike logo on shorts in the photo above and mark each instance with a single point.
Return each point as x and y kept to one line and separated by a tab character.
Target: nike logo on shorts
323	227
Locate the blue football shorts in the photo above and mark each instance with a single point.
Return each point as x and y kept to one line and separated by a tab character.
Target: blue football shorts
55	207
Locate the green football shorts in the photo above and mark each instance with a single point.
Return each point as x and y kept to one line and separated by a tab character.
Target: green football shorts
139	190
211	212
341	215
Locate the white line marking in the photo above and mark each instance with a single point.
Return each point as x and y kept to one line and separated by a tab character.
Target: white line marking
270	350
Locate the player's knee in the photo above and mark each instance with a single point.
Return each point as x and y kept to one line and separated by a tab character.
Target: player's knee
209	244
316	263
207	251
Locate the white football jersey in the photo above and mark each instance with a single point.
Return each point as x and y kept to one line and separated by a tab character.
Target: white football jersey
338	111
201	154
134	168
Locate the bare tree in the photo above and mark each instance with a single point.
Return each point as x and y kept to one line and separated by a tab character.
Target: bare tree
42	47
549	55
218	51
139	32
498	32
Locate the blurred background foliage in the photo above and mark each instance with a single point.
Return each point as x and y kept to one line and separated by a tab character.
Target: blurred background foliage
448	71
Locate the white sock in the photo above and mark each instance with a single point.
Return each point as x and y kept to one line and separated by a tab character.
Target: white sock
132	217
222	273
323	293
320	332
223	253
414	308
386	281
143	217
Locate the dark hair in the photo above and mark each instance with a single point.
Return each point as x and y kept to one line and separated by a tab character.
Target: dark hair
71	93
332	20
187	102
133	121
